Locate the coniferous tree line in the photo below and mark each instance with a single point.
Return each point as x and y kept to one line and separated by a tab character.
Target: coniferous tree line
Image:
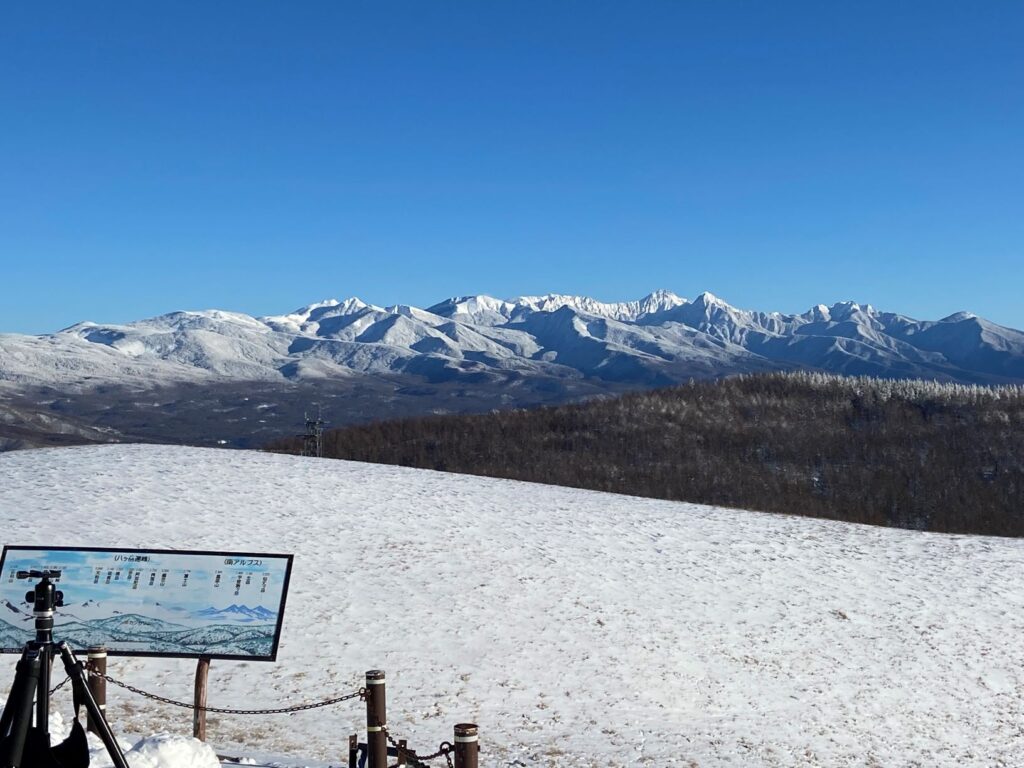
904	453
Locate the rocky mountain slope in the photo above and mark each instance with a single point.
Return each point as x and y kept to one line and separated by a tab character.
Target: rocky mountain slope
465	354
659	339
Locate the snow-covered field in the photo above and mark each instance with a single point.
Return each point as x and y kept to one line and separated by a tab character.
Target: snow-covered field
577	628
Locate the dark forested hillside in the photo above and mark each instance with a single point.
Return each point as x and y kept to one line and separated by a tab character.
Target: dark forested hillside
902	453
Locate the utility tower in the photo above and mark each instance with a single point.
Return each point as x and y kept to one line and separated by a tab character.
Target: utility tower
313	439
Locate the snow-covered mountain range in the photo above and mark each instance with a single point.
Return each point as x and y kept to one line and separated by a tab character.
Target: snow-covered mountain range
659	339
225	378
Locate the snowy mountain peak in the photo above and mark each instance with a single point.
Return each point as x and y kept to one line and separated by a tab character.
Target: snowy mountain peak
714	308
957	317
478	310
819	313
480	303
307	310
658	301
328	306
308	319
414	313
487	310
663	295
350	306
628	311
709	299
846	309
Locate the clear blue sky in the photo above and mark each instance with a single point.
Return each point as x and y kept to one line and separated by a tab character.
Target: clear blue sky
258	156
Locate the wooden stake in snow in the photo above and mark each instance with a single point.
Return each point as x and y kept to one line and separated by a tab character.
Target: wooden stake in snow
199	714
96	667
467	745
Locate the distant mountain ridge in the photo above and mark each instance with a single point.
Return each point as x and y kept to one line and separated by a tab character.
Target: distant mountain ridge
659	339
226	378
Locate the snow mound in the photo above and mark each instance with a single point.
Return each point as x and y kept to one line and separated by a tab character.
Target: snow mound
164	750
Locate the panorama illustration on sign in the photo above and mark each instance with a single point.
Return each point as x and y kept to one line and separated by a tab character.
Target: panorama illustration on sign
151	602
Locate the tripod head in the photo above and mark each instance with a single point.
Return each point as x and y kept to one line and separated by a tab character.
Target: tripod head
44	598
34	574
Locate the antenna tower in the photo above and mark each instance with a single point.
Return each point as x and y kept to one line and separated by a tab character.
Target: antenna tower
313	439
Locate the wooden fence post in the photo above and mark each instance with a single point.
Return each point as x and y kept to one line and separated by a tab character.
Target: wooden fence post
376	719
97	666
353	751
199	714
467	745
401	753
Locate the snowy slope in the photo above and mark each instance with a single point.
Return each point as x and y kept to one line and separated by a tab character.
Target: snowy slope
659	339
578	628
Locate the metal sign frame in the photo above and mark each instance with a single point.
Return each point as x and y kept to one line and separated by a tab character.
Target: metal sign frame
288	561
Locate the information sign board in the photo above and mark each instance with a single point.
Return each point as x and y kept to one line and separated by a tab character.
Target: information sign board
151	602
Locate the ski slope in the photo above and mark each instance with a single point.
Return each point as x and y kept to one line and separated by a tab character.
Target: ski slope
577	628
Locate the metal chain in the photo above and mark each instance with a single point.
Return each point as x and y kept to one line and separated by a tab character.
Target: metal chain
446	749
416	760
224	711
59	685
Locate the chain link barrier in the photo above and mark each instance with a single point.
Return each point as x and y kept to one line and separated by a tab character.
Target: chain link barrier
446	748
361	693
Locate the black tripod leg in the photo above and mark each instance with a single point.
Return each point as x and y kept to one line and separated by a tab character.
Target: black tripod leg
12	702
76	671
17	717
43	689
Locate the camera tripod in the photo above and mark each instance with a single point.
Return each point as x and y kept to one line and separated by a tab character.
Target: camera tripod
24	745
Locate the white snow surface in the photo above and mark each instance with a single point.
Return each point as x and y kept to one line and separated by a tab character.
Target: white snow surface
162	750
577	628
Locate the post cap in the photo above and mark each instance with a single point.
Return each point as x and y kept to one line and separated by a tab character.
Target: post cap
375	674
465	729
